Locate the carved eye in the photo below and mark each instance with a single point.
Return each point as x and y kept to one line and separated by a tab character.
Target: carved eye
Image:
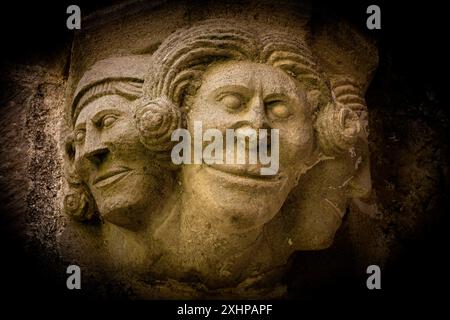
279	110
231	101
79	135
108	121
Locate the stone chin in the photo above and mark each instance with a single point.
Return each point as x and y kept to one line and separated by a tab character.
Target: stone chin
123	211
126	201
236	202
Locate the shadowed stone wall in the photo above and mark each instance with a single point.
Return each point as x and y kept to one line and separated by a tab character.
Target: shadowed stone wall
407	142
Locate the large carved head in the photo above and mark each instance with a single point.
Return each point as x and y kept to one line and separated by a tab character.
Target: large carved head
110	172
232	76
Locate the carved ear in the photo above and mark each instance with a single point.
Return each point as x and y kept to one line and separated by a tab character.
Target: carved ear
338	128
78	204
155	121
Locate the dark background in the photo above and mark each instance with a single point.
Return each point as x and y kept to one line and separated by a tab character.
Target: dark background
409	87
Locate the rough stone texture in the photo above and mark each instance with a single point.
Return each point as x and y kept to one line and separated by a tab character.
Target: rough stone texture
31	102
221	227
409	164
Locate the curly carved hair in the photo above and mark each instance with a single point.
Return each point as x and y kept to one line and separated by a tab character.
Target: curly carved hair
177	67
180	61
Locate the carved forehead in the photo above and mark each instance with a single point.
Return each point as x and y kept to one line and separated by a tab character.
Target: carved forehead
115	75
182	58
250	75
112	102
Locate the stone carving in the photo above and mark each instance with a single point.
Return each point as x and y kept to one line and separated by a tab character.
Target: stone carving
105	148
215	230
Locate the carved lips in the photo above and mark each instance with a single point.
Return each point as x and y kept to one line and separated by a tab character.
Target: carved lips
111	177
245	170
239	176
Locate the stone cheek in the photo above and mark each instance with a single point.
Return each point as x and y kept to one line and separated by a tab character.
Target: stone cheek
213	230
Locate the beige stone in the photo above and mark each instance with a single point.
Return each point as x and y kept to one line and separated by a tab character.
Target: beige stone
197	230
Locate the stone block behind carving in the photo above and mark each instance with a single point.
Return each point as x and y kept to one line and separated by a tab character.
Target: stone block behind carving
199	230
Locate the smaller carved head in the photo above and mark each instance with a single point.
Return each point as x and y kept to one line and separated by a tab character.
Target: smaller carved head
110	171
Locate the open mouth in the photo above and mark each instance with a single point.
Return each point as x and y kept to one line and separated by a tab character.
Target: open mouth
111	177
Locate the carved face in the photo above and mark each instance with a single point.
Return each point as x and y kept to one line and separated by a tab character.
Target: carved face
113	163
240	95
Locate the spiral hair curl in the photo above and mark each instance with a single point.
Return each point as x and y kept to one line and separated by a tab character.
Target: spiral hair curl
180	61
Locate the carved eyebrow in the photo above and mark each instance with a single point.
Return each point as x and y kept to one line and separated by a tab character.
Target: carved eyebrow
99	115
233	88
81	125
278	96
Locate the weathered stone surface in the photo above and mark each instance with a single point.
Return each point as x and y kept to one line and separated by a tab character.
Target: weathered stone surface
215	230
162	249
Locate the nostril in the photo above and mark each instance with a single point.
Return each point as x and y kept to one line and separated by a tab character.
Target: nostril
98	156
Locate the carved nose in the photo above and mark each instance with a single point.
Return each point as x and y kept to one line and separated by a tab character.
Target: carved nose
97	156
256	114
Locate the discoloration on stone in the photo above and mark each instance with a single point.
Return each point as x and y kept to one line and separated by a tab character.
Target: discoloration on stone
215	226
407	164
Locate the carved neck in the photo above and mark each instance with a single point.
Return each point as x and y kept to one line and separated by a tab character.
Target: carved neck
205	241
